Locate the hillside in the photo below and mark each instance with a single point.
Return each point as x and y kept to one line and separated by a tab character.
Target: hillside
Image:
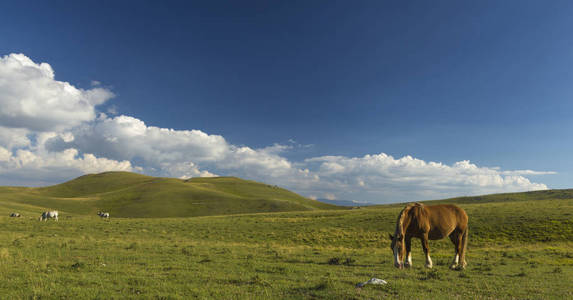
126	194
499	198
511	197
518	249
345	202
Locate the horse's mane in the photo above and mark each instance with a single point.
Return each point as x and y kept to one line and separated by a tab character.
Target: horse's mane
402	218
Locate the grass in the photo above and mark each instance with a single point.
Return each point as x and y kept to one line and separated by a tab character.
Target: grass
517	249
126	194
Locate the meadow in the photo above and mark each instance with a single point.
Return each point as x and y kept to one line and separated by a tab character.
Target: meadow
519	247
127	194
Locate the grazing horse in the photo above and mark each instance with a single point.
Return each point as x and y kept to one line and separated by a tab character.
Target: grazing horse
104	215
49	215
432	222
15	215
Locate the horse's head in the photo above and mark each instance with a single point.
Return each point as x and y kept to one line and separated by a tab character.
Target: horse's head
398	249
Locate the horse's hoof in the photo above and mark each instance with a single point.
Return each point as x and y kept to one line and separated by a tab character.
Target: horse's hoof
457	267
429	266
407	265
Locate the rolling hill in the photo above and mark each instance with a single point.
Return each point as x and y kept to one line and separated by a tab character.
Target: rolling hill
510	197
126	194
541	195
345	202
520	247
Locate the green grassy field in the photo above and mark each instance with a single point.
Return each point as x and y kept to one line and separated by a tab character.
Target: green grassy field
126	194
519	248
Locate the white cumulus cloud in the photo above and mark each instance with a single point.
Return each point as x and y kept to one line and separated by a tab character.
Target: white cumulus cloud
381	177
69	158
37	167
51	131
179	153
31	98
14	137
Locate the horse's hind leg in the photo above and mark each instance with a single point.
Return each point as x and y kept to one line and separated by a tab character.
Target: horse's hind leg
464	248
456	238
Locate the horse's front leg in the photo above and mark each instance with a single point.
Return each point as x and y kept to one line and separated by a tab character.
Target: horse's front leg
426	247
408	262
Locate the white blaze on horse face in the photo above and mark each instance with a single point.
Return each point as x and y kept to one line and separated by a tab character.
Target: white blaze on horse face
397	261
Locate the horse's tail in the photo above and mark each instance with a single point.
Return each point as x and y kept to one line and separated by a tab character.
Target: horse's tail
464	248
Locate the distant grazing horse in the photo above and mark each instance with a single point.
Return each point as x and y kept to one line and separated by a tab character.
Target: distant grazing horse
104	215
49	215
432	222
15	215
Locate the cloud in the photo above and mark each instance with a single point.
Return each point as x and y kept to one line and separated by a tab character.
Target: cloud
528	172
51	131
31	98
112	110
330	196
69	158
26	165
5	155
128	138
381	177
14	137
185	170
168	151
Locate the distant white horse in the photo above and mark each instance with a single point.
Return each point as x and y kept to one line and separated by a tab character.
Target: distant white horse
15	215
104	215
49	215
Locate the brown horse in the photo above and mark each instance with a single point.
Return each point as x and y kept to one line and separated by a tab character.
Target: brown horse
432	222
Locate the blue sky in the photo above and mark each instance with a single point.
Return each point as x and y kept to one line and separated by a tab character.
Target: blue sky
328	98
